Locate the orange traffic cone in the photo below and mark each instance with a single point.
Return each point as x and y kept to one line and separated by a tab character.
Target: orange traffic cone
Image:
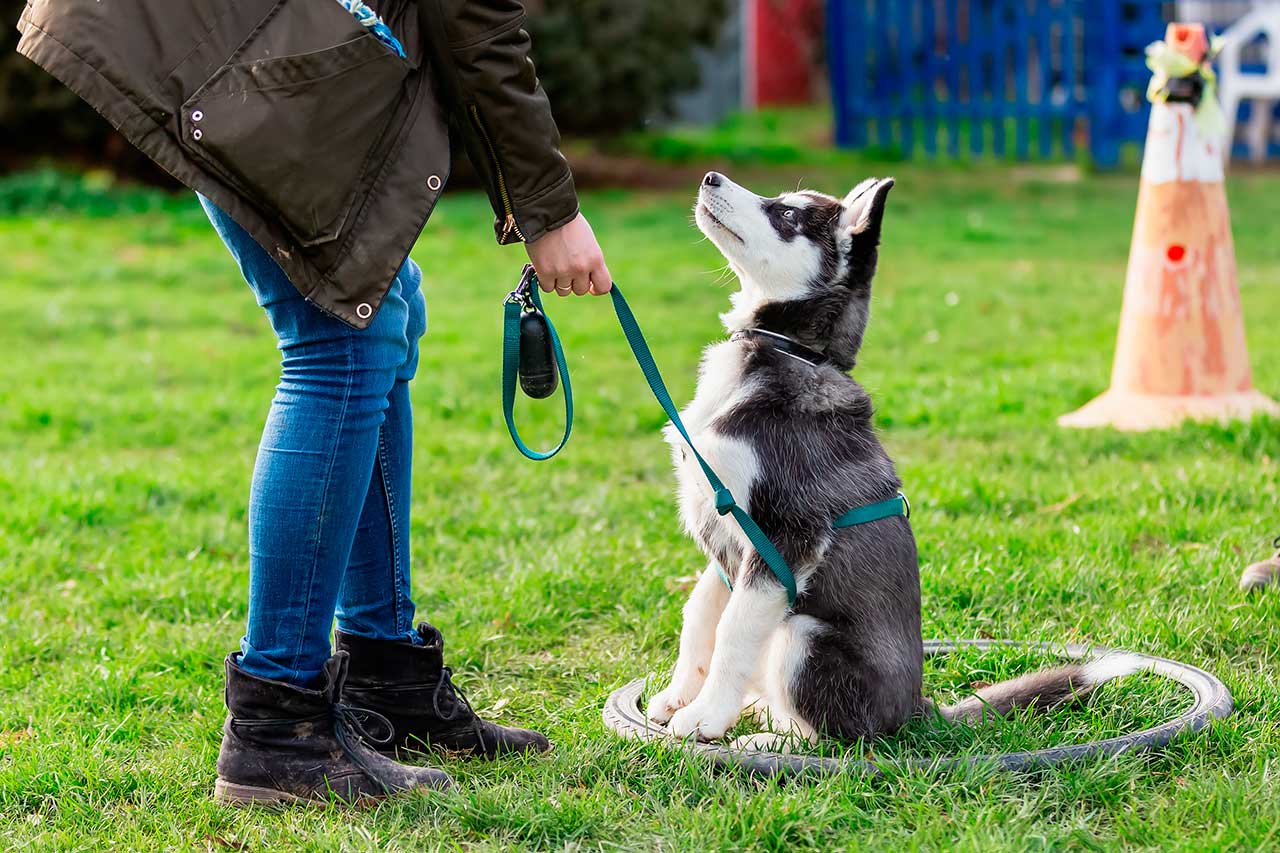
1180	352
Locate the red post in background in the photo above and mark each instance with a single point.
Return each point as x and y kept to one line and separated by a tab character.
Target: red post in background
783	42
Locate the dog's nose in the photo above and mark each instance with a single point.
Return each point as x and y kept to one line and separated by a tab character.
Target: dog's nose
712	179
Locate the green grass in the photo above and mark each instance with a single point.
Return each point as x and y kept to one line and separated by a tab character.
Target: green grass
135	371
802	136
781	137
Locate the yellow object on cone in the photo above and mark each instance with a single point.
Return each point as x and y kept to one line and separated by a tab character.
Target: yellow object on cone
1180	351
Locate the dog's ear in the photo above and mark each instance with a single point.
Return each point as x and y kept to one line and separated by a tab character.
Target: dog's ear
863	210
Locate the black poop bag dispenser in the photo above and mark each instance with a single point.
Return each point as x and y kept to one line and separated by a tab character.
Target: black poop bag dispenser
539	375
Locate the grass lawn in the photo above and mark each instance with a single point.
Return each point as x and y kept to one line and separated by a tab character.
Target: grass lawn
135	371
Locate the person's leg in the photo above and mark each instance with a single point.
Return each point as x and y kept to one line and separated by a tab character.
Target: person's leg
287	736
314	463
398	670
375	600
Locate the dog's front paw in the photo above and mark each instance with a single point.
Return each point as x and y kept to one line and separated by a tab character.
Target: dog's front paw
667	702
706	720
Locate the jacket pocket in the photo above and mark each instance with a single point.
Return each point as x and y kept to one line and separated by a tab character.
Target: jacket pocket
295	134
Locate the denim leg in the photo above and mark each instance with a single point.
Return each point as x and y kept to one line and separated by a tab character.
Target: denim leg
375	600
314	463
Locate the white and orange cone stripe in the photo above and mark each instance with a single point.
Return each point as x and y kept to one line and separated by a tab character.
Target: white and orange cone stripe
1180	351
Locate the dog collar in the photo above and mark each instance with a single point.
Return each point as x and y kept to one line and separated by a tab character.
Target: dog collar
783	344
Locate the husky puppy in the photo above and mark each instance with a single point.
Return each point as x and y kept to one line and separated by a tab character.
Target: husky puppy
789	432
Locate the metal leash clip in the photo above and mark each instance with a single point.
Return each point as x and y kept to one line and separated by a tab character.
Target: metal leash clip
523	293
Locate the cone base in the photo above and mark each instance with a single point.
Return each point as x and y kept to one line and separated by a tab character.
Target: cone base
1128	411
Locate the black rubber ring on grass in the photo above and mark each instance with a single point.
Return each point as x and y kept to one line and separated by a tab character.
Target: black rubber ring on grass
623	714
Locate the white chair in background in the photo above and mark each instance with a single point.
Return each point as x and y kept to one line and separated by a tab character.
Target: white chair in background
1214	14
1236	85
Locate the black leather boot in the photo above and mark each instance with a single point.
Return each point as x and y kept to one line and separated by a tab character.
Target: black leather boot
285	744
410	686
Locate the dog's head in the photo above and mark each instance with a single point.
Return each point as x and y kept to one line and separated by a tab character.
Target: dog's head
805	259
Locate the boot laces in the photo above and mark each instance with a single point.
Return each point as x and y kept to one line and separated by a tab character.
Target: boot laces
349	719
446	687
351	727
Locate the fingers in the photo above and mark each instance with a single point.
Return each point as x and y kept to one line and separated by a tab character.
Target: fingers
561	284
578	280
569	261
601	279
587	275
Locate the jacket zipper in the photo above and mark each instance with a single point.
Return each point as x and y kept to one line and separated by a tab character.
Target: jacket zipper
510	226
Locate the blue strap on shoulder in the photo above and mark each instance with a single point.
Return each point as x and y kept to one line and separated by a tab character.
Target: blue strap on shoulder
375	25
526	297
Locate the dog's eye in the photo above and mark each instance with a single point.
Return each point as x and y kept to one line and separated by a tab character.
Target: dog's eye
789	213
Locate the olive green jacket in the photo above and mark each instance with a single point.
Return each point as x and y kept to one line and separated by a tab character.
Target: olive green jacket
317	138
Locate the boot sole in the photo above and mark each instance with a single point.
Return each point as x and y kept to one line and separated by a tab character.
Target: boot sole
247	796
242	796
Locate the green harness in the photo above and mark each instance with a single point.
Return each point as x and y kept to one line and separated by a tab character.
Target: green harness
525	298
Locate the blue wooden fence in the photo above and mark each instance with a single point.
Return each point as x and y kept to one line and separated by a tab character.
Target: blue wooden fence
992	77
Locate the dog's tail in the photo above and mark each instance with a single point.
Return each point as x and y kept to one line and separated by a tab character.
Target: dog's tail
1042	690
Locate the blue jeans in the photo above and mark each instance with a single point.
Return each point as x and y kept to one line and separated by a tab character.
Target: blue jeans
329	504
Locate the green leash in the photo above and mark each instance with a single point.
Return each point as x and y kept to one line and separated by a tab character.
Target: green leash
526	298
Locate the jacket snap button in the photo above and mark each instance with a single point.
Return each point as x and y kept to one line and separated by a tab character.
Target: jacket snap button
364	310
197	134
433	183
197	115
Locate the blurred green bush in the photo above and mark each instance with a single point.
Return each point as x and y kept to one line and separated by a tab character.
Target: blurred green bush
33	105
91	192
608	65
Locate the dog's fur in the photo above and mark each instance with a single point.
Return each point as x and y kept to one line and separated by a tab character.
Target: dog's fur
795	445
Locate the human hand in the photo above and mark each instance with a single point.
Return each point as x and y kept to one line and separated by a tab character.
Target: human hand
569	261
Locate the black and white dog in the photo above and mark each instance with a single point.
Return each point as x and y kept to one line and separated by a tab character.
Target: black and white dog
790	434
